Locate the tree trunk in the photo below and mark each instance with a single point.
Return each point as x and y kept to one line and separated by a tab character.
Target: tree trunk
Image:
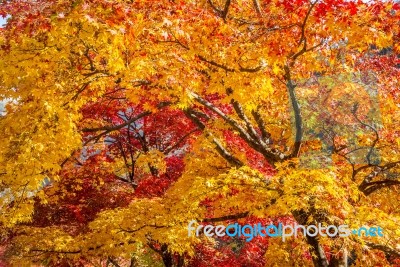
340	261
166	256
317	252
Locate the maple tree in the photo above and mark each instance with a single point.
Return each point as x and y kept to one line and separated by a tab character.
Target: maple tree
125	120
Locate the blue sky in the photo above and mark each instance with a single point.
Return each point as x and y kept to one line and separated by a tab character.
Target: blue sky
2	21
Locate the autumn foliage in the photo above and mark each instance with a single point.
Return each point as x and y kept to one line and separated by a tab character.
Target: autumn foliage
125	120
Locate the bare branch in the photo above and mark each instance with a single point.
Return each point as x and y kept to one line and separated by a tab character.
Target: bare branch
297	114
226	9
214	7
259	145
239	110
169	149
219	147
303	25
113	262
222	13
261	125
257	7
367	182
215	64
373	186
388	250
228	217
110	128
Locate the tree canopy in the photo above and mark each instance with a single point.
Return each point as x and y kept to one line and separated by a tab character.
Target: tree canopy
125	120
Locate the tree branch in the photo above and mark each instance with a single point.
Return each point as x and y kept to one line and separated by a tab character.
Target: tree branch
110	128
261	125
388	250
297	114
219	147
377	170
369	188
271	154
228	217
169	149
215	64
257	7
